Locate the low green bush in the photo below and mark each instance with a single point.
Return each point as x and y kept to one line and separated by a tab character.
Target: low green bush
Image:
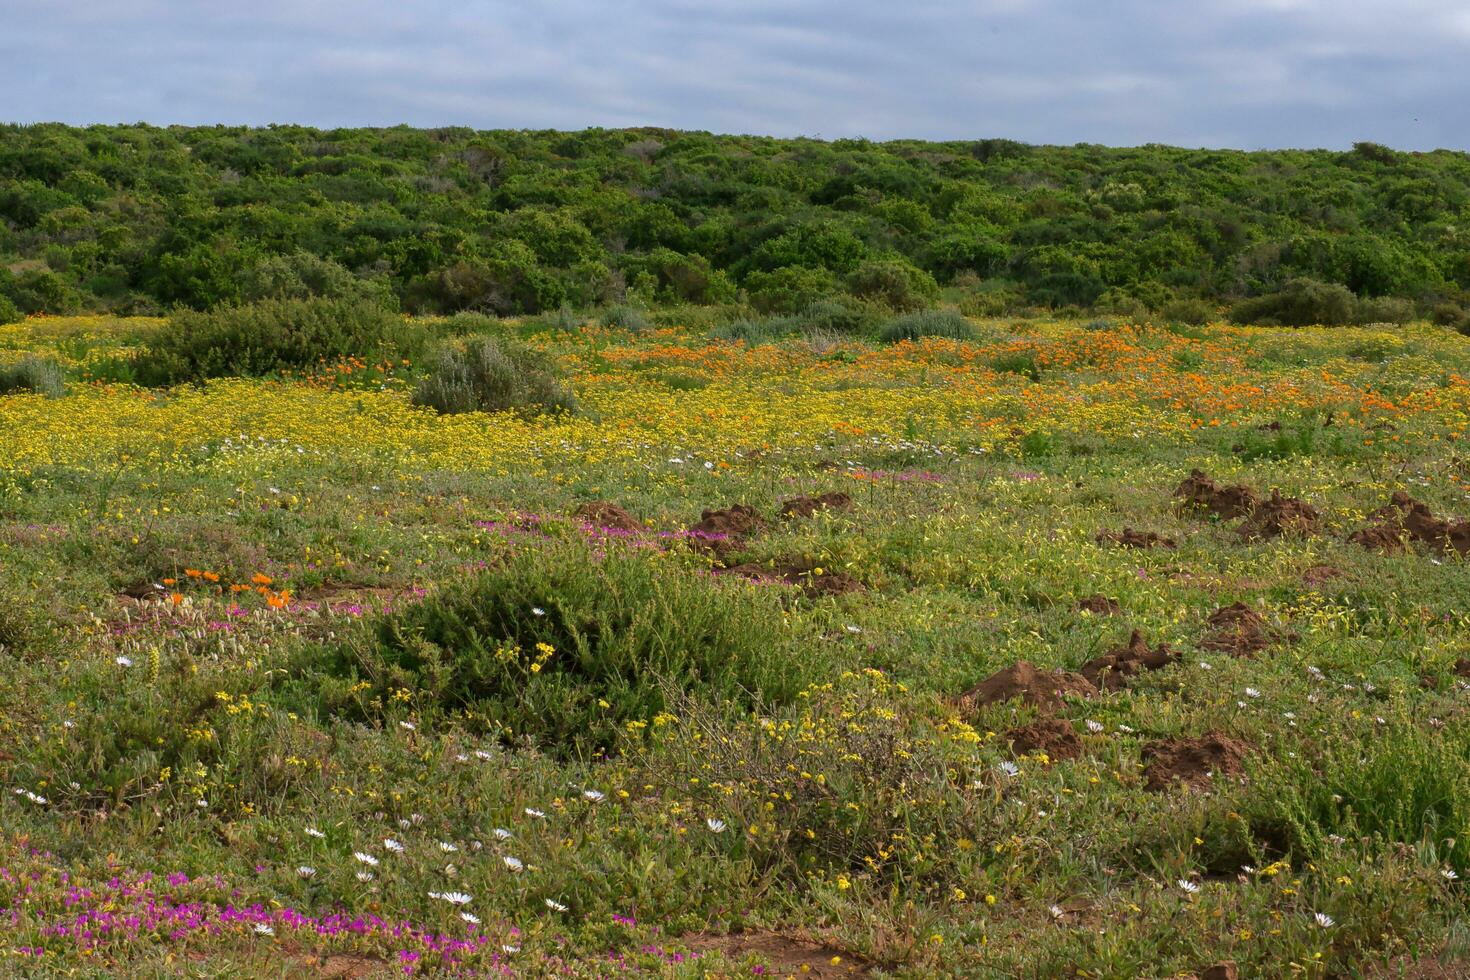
492	374
927	323
568	646
1299	303
271	337
37	374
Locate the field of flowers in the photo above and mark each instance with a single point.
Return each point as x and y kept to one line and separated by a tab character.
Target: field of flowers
1093	650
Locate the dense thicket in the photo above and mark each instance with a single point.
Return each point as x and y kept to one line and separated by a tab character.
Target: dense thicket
137	219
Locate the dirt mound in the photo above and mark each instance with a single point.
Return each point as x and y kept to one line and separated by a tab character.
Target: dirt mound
811	578
786	955
1239	631
1280	516
1110	672
607	517
1200	492
1041	688
1129	538
1049	735
723	531
1318	574
1221	971
808	506
1099	604
1195	762
1405	519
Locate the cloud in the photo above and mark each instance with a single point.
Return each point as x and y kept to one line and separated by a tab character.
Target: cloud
1247	73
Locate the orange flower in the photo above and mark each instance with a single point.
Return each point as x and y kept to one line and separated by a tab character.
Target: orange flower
260	579
192	572
211	576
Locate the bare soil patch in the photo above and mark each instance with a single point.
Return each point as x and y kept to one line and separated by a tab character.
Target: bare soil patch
1098	604
1129	538
1194	762
1404	519
1050	735
1110	672
1239	630
809	506
1200	493
1022	680
1280	517
811	578
721	532
608	517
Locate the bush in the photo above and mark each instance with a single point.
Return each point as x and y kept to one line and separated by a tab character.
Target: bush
758	330
569	646
491	374
1384	309
929	323
838	314
894	283
628	318
30	373
270	338
789	289
1447	314
1195	312
9	312
306	276
1299	303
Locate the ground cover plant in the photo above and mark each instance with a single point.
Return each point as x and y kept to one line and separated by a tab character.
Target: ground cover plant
783	644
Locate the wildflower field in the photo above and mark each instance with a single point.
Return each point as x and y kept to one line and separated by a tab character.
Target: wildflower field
1070	650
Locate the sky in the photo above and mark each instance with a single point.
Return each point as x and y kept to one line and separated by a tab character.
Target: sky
1248	74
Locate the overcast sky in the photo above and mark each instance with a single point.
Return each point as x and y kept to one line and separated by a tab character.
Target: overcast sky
1237	73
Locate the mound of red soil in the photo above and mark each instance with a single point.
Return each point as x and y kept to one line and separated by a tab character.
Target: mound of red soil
607	517
1318	574
1239	631
808	506
786	955
1110	672
1041	688
723	531
1050	735
1199	492
802	574
1129	538
1194	762
1280	516
1099	604
1221	971
1405	519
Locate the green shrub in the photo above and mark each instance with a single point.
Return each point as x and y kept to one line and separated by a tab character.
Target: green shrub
1299	303
894	283
1384	309
839	314
1447	314
758	330
1194	312
491	374
30	373
1022	362
464	324
9	312
306	276
928	323
628	318
789	289
270	338
567	646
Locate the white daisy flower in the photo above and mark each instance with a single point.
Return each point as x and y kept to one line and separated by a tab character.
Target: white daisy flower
513	864
1449	874
532	812
453	898
1188	886
1251	692
1324	920
1095	727
306	871
470	917
537	611
264	930
502	834
366	858
715	826
1009	769
555	906
364	876
313	832
392	845
447	847
123	661
510	949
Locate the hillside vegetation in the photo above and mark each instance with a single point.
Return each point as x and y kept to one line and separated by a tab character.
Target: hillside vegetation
138	219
